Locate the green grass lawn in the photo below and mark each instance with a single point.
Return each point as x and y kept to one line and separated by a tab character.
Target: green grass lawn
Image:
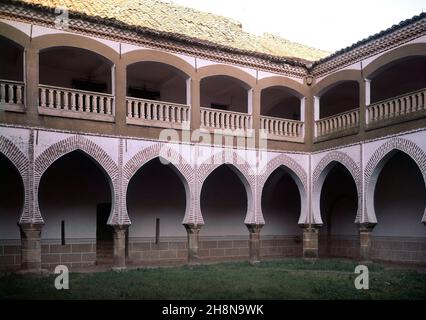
283	279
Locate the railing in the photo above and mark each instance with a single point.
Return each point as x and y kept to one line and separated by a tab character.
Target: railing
12	95
156	113
220	119
76	103
397	106
281	127
338	122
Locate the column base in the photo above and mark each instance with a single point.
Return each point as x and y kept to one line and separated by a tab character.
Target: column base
365	242
254	243
310	242
31	247
120	247
193	231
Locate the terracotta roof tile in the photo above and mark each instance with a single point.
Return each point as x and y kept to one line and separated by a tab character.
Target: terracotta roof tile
171	18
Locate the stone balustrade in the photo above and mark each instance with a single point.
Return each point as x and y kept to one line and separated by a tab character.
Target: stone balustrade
156	113
282	129
406	104
72	103
224	120
12	95
338	122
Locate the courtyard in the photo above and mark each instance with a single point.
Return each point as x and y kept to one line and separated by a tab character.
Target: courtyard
275	279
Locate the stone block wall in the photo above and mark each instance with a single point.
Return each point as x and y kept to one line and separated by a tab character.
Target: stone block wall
281	246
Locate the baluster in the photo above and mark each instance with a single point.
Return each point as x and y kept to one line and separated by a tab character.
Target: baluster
148	111
43	97
80	103
50	97
65	96
73	101
2	92
58	99
19	95
101	105
9	93
167	112
129	109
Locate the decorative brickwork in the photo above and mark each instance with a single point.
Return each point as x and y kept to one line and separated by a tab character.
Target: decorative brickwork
63	147
296	172
178	163
377	162
21	163
242	169
320	173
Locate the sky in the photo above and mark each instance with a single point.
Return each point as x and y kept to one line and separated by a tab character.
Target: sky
326	24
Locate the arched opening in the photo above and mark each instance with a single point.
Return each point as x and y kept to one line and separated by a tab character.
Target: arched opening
224	205
339	205
156	204
281	208
225	93
12	91
11	199
399	203
156	81
75	68
398	78
281	102
343	96
12	60
75	203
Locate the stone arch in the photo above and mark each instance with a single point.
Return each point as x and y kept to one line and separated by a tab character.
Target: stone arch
77	41
179	165
144	55
409	50
14	35
225	70
21	163
377	162
245	173
91	149
276	81
299	176
334	79
320	173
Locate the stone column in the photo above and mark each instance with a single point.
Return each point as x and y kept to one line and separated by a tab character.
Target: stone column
254	242
193	231
31	83
120	246
255	113
193	86
365	240
31	247
310	241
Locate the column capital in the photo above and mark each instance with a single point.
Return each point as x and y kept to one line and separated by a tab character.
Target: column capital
254	228
192	228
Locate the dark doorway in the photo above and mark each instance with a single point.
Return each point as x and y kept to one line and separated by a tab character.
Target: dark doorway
104	234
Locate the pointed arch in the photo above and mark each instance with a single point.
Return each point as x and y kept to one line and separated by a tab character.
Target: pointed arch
242	169
378	160
91	149
178	164
21	162
320	173
298	175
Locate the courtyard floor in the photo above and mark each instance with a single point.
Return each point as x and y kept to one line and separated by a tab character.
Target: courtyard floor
277	279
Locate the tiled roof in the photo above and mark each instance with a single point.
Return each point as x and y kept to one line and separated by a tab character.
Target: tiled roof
171	18
373	37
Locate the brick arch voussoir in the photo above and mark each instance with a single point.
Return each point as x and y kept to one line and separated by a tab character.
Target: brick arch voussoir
21	163
63	147
278	162
400	144
158	150
350	165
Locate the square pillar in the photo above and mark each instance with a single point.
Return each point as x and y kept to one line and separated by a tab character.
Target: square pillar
120	247
310	241
193	231
31	247
254	242
365	241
